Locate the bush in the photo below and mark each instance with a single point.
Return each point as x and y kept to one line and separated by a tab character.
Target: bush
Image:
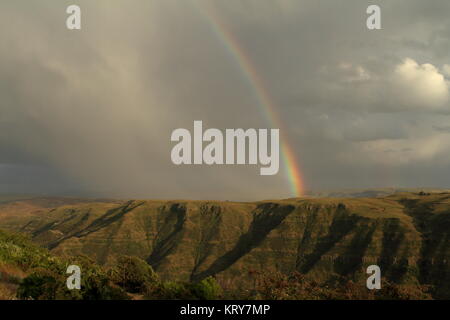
133	274
46	284
207	289
41	284
96	283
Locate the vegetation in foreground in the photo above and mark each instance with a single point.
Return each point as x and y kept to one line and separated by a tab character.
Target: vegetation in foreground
31	272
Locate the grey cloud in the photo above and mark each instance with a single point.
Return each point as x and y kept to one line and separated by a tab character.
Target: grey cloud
95	108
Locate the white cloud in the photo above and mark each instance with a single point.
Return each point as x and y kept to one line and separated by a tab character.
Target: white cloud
420	85
405	86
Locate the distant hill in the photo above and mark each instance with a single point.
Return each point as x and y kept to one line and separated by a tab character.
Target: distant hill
406	234
370	193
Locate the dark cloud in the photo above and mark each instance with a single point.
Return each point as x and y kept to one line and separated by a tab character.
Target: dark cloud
92	111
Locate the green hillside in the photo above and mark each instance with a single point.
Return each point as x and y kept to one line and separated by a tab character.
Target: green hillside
406	234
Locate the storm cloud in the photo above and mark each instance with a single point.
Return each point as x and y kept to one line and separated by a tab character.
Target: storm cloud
91	112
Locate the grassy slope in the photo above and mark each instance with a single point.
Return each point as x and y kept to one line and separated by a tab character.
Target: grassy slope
17	256
406	234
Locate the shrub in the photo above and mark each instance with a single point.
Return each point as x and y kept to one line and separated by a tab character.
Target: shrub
207	289
41	284
45	284
96	283
133	274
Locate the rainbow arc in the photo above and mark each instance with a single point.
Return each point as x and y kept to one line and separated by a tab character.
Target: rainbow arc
265	100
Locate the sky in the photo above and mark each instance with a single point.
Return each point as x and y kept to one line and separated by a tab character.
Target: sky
90	112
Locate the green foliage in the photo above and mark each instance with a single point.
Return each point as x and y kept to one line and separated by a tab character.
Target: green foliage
19	250
45	284
207	289
46	279
133	274
96	283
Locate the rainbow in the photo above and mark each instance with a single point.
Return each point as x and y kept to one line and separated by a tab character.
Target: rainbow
265	100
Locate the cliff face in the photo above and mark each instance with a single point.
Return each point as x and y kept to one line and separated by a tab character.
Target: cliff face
407	235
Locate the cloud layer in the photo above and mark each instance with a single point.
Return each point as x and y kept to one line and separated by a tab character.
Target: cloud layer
91	112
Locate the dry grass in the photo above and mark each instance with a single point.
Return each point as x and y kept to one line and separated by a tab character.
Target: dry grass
9	281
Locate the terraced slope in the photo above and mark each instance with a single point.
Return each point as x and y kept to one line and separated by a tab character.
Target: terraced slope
407	235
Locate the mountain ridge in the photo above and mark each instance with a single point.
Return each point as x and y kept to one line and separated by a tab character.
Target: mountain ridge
406	234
